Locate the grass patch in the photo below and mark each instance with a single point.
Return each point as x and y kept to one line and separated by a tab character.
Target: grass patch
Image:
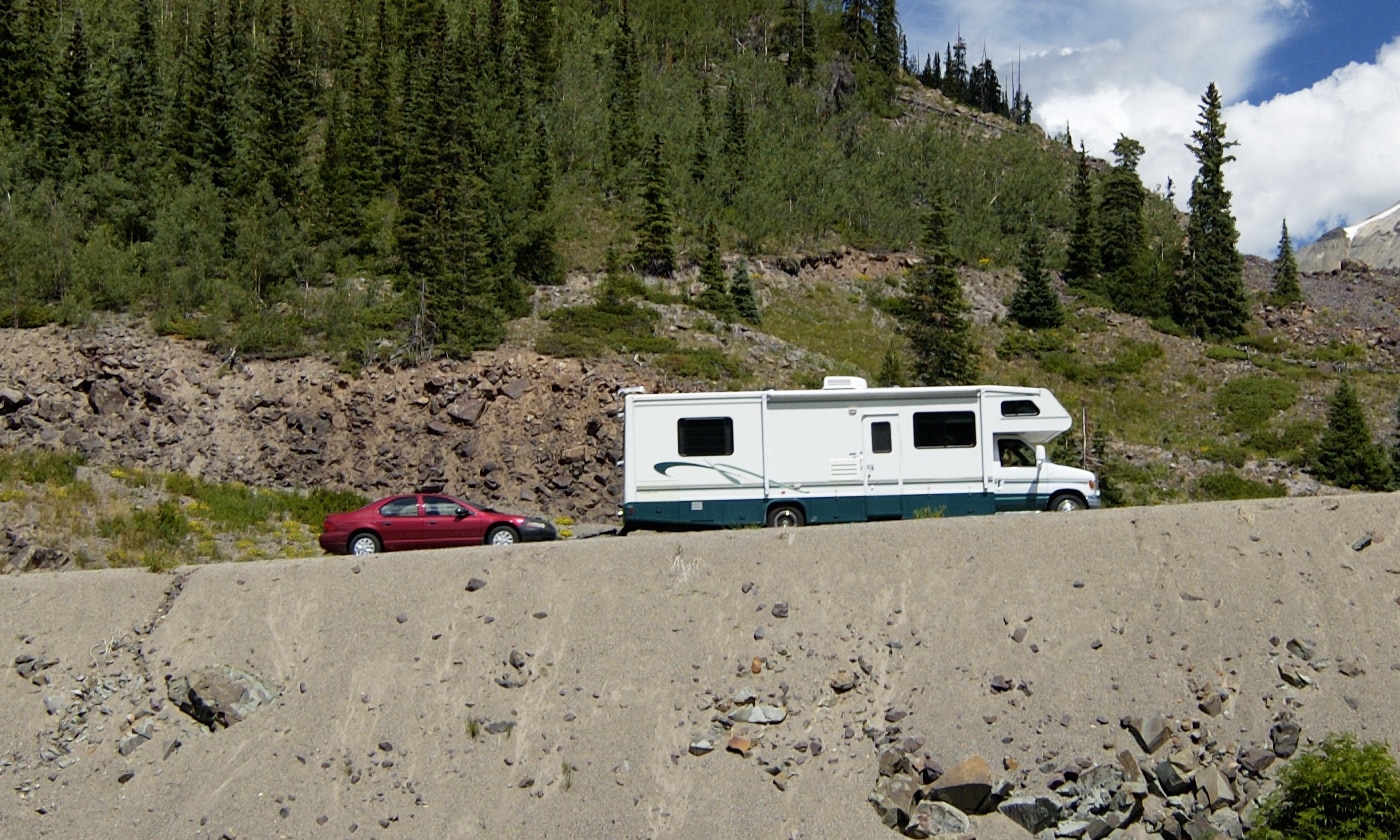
1227	486
35	466
821	319
704	363
590	331
1248	402
239	506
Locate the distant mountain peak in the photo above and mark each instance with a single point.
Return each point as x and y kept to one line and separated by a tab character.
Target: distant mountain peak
1374	241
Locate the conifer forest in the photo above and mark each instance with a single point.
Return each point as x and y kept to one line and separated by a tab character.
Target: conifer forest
368	178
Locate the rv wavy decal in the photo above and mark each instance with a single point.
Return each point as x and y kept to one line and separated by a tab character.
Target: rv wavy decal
734	475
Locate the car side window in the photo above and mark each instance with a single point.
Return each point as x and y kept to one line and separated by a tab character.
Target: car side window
407	506
439	506
1015	453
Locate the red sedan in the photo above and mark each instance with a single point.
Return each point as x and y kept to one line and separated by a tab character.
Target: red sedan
426	520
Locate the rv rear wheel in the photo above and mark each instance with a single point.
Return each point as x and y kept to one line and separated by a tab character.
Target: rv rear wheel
786	516
1066	503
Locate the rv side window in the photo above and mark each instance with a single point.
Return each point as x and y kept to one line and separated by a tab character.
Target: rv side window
1019	408
944	429
881	439
698	437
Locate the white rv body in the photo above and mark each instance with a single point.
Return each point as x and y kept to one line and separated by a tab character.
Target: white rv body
844	453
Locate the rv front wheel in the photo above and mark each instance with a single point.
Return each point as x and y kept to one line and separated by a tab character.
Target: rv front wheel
786	516
1066	503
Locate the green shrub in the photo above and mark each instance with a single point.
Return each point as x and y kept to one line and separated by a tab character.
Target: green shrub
163	527
583	331
238	506
34	466
1290	443
1129	359
1031	343
1227	486
1337	791
1247	402
1336	351
704	363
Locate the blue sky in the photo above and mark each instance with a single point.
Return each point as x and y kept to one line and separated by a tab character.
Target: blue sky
1312	92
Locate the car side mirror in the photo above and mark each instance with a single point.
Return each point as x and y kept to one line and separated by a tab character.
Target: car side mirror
462	512
1039	455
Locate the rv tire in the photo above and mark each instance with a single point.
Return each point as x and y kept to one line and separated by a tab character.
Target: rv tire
1066	503
786	516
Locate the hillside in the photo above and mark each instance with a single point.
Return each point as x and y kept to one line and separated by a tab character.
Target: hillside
576	689
528	432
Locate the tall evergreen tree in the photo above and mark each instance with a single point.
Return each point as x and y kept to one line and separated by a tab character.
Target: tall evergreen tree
745	298
201	132
1035	304
891	373
276	140
885	55
1082	261
700	155
934	312
655	253
70	126
796	36
714	296
735	146
1122	232
623	91
1346	455
1286	289
955	71
858	28
1208	298
11	64
137	108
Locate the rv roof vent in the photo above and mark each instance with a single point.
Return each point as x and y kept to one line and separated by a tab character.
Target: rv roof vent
843	383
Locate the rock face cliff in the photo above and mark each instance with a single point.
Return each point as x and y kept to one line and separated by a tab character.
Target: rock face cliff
509	428
1374	242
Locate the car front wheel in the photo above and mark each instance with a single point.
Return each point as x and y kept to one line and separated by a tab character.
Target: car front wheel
1067	503
365	544
502	536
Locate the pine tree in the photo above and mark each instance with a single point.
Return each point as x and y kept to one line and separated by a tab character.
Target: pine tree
137	108
623	91
796	36
700	156
714	296
1035	304
885	55
745	298
655	253
11	64
858	27
891	373
1346	455
70	115
1208	298
1082	262
1286	289
735	145
200	131
276	141
1122	232
934	312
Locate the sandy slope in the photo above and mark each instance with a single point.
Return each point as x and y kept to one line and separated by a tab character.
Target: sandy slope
388	665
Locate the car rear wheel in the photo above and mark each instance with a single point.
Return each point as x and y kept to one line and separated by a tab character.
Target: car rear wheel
786	516
502	536
1066	503
365	543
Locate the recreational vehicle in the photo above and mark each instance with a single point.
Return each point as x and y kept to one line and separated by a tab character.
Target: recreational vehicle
843	453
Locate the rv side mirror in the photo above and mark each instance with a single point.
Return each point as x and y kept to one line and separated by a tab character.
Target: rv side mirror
1039	455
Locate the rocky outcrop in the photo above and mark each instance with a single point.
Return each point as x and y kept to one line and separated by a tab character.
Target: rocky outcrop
511	428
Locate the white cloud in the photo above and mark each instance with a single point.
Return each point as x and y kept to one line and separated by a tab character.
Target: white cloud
1319	157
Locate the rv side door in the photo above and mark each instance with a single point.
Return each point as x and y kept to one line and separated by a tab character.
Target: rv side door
880	464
